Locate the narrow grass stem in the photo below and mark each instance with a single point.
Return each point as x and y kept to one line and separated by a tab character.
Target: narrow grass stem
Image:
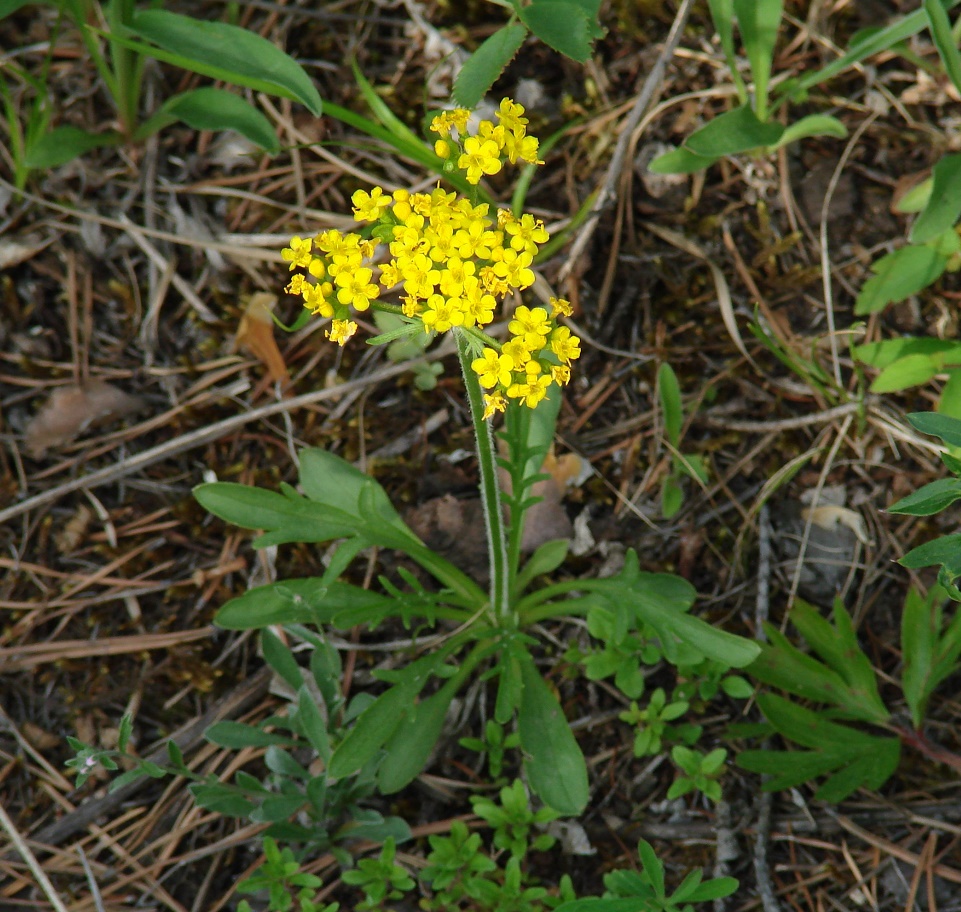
489	488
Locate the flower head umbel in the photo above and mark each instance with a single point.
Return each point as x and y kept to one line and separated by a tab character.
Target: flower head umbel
450	260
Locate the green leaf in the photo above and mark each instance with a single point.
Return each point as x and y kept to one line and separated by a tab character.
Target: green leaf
288	518
564	25
758	21
887	352
241	53
329	480
909	371
215	109
812	125
851	758
373	728
944	205
929	499
944	40
64	144
945	551
681	161
9	7
553	760
899	275
280	658
670	395
547	558
237	735
411	744
483	67
312	724
733	132
920	621
297	601
943	426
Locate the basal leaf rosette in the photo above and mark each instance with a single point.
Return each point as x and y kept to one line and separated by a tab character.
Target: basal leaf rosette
450	261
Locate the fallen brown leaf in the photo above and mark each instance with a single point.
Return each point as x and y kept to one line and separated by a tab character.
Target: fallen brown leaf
70	410
256	335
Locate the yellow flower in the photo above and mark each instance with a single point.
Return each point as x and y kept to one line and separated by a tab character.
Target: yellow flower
298	253
481	156
355	288
442	313
560	307
532	391
493	368
530	325
567	347
369	207
340	331
510	114
495	402
446	121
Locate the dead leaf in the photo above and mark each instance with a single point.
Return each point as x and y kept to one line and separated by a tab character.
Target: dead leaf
16	250
70	410
256	336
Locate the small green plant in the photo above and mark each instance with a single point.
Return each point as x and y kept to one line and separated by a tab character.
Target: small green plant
843	680
381	879
700	772
330	812
513	820
646	890
568	26
751	126
287	886
653	721
118	38
672	408
494	745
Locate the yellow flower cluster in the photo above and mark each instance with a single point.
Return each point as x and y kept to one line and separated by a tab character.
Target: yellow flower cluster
450	260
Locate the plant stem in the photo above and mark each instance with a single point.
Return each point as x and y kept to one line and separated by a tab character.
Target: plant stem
489	488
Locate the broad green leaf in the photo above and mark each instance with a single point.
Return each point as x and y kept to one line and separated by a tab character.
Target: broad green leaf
64	144
672	496
9	7
681	161
373	728
670	395
547	558
944	205
908	372
279	761
813	125
280	658
487	63
509	682
885	353
758	21
312	724
899	275
411	744
732	133
563	25
221	800
215	109
239	51
553	760
929	499
290	518
237	735
944	40
334	482
943	426
920	623
945	550
296	601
